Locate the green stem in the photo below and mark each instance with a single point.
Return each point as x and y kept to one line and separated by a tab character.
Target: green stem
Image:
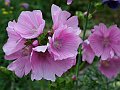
107	84
79	50
86	21
79	61
13	82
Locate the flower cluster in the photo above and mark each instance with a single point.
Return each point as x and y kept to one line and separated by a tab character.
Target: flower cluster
45	54
104	43
42	54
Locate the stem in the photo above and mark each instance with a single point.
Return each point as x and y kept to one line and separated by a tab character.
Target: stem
86	21
13	82
107	84
79	61
79	50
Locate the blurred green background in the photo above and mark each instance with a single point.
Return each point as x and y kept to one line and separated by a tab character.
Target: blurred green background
89	78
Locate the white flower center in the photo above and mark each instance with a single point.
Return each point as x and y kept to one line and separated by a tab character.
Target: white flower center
106	42
57	44
26	51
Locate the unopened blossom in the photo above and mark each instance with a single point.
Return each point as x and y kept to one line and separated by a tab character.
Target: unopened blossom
30	24
60	18
7	2
44	66
64	43
35	43
110	67
112	3
105	42
74	78
25	5
15	42
69	2
87	54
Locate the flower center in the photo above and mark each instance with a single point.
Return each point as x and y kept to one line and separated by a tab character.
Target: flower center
57	44
34	30
106	42
105	63
26	51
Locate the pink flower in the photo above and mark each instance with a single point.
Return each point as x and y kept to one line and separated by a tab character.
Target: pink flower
64	43
110	68
44	66
15	49
40	62
60	18
15	41
69	2
30	24
21	66
105	42
87	54
65	40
